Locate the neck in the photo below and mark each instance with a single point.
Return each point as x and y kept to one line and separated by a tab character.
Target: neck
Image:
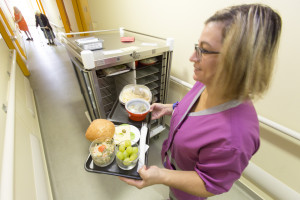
208	99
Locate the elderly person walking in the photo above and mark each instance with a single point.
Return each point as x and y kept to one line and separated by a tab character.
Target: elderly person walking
42	21
19	19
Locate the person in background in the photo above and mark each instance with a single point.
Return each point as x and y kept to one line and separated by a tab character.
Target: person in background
42	21
214	129
19	19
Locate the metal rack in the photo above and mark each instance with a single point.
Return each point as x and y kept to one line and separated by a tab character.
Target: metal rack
101	91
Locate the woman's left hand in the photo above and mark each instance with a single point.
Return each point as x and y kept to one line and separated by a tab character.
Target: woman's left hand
150	176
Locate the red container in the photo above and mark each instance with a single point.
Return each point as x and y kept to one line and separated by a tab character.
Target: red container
137	109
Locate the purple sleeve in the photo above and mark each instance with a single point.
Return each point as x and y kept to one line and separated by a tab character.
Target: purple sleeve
219	168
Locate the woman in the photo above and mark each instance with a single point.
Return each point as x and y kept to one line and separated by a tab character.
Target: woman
214	129
42	21
22	23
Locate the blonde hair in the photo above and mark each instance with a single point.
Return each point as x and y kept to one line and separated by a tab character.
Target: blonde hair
250	41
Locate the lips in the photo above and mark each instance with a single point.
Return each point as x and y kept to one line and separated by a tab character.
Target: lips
197	68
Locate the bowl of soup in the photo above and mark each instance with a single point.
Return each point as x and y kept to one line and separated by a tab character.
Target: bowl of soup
137	109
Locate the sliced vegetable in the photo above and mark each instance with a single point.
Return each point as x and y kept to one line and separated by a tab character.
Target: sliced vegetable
132	136
123	124
101	148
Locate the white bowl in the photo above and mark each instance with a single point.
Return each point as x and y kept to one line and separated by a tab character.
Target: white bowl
137	109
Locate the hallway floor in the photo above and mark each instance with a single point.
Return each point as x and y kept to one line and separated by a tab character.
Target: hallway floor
63	123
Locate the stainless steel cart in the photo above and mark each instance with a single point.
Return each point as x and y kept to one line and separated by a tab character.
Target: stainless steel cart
101	91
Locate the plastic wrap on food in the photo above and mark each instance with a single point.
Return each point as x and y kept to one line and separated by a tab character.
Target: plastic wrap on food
133	91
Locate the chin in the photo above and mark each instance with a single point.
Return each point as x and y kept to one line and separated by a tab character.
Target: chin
195	77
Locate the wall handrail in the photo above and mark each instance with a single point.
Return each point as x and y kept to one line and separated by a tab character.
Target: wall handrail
267	182
13	40
78	33
7	172
261	119
55	25
279	127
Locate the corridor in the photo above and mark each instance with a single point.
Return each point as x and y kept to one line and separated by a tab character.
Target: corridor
63	124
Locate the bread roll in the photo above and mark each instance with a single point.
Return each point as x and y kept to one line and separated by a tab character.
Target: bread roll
100	128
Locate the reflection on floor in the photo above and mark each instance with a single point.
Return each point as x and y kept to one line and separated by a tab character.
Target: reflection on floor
63	123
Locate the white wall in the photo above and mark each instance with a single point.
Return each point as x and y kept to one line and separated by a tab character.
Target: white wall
183	20
30	174
4	78
52	13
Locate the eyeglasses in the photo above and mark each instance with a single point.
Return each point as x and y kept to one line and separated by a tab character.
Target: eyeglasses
200	51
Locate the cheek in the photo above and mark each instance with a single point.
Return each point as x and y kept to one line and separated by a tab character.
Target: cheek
210	70
214	69
213	65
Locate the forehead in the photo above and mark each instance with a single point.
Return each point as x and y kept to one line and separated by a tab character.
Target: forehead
212	34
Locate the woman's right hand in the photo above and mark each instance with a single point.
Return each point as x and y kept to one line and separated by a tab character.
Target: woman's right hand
150	176
158	110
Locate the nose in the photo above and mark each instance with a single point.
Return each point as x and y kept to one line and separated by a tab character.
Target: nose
194	58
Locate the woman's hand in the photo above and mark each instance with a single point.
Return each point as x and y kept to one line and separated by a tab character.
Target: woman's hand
187	181
158	110
150	176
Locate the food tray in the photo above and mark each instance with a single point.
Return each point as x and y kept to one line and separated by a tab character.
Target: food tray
148	61
113	168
